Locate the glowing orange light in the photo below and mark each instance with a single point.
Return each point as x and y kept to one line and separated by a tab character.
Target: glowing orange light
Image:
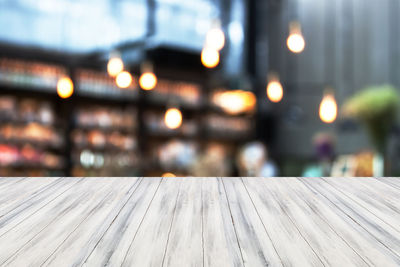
215	39
65	87
173	118
124	79
209	57
168	174
115	66
274	89
295	41
235	101
148	81
328	108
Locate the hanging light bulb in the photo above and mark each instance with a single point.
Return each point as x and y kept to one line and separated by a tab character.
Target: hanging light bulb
328	108
215	41
215	37
173	118
115	64
65	87
209	57
124	79
274	88
295	41
148	80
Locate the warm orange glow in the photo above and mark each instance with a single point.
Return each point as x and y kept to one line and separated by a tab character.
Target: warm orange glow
124	79
295	42
275	91
148	81
209	57
168	174
65	87
173	118
328	109
236	101
115	66
215	39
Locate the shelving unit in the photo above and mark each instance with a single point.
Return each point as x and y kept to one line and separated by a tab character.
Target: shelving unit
93	144
104	141
32	143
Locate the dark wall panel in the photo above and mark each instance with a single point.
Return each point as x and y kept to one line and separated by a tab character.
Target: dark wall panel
351	44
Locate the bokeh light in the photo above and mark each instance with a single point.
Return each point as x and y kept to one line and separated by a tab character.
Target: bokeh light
209	57
124	79
275	91
168	174
296	43
148	81
65	87
173	118
215	39
115	66
328	109
235	101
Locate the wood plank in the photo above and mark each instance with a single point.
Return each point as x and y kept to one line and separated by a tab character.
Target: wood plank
392	181
221	247
383	233
78	246
184	247
23	191
199	222
369	199
320	236
362	242
113	246
6	181
44	245
382	192
13	186
255	243
290	244
26	209
149	244
75	200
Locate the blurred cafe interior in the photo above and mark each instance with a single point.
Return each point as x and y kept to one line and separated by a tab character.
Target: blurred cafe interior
199	88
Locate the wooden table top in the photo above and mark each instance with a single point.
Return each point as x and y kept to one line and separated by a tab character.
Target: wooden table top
200	222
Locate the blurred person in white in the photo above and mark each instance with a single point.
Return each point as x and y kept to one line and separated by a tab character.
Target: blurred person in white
252	160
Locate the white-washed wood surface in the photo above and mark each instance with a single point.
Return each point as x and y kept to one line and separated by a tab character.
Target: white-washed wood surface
199	222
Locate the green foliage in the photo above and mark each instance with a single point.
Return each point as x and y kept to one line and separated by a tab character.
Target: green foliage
377	108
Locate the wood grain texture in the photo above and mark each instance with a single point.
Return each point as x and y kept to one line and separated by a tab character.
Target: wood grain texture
184	247
375	226
394	182
5	181
221	247
113	246
23	190
355	236
323	239
23	210
84	238
61	232
149	244
359	190
182	222
290	244
255	242
39	223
